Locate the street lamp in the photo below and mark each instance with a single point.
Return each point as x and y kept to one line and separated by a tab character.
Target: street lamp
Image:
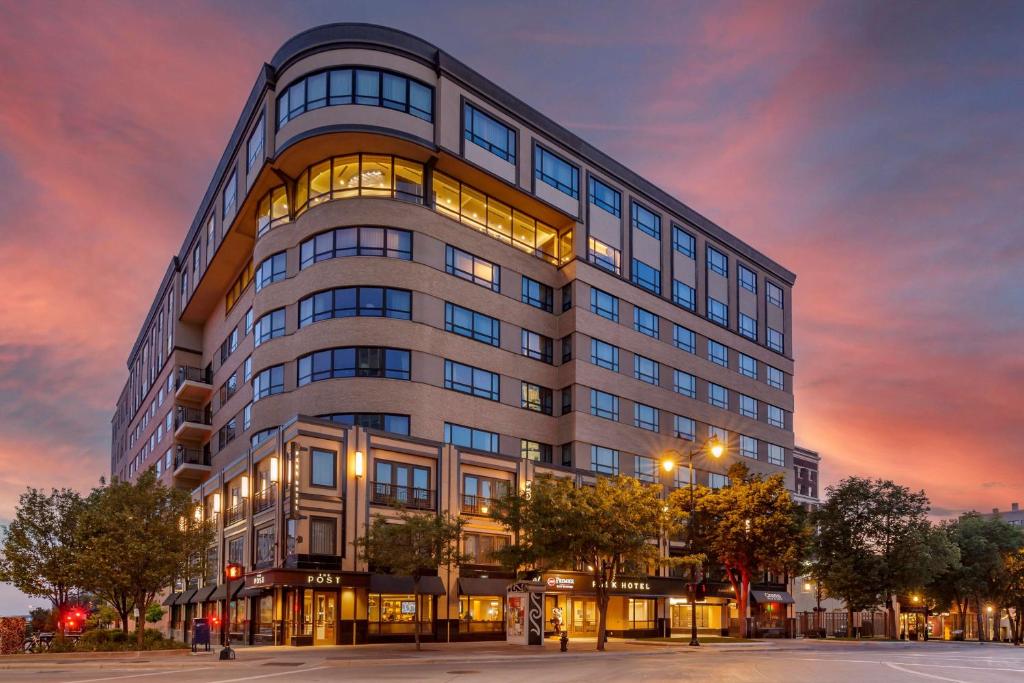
715	448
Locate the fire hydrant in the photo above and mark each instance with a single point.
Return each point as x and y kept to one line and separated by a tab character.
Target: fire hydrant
564	641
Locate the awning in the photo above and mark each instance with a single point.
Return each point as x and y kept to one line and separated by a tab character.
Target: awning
222	592
772	596
169	600
202	595
402	585
253	592
483	586
184	597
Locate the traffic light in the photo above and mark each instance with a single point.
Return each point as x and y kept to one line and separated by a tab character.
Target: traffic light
700	592
232	571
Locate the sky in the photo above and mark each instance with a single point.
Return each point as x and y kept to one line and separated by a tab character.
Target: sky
874	148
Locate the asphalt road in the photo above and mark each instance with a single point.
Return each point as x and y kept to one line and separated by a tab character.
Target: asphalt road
793	662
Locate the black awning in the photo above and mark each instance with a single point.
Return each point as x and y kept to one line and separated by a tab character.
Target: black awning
169	600
202	595
222	592
772	596
184	597
402	585
471	586
251	591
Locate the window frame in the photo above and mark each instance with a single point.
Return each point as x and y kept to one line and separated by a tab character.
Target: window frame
313	451
615	208
540	153
469	133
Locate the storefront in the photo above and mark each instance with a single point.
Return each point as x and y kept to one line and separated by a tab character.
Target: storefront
713	615
769	610
482	608
393	612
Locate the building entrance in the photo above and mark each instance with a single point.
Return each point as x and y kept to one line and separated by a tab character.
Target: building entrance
582	615
325	618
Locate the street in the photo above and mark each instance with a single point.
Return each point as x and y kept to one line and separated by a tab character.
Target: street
791	661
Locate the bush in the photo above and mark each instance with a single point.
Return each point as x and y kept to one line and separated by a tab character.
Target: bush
100	640
12	633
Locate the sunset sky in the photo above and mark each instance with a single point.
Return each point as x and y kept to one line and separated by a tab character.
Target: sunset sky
875	149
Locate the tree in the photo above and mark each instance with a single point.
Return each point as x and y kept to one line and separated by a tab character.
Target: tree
1014	596
751	525
413	544
135	539
39	552
606	528
154	613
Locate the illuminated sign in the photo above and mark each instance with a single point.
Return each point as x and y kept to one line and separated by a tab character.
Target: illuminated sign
324	579
627	585
774	597
563	582
259	580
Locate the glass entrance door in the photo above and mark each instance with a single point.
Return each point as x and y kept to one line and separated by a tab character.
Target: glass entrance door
583	615
325	618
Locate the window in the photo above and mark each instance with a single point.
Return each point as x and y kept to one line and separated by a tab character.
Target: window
645	369
537	295
748	279
566	393
272	210
604	304
536	398
776	340
566	349
385	422
268	382
247	417
604	256
369	87
684	295
254	147
684	339
566	297
388	242
603	354
353	361
533	450
552	169
718	395
645	469
248	321
469	437
718	353
718	433
748	366
717	481
366	175
684	383
748	447
646	221
469	380
480	549
604	460
536	346
479	271
269	327
646	276
467	323
273	269
776	455
604	197
323	533
240	284
748	326
645	322
489	133
197	259
566	454
322	467
645	417
717	311
347	302
776	416
748	406
775	377
718	262
604	405
684	427
211	238
773	293
683	242
230	196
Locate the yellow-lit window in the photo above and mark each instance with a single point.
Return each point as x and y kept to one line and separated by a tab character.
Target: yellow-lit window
446	195
408	180
547	241
279	205
263	215
301	192
499	220
375	179
239	285
523	231
565	247
319	183
346	176
474	207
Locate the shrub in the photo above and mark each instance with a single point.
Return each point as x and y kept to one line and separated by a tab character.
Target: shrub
12	633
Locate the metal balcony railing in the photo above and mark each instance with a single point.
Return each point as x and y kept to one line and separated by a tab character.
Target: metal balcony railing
234	514
189	374
402	496
265	499
477	505
190	456
185	414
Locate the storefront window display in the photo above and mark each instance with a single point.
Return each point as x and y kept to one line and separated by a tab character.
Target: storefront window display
264	615
397	614
481	614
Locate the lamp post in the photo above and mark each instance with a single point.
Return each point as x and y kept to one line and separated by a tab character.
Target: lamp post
715	449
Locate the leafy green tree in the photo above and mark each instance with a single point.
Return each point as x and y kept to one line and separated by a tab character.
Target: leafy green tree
154	613
39	553
752	525
1013	598
413	544
606	528
135	539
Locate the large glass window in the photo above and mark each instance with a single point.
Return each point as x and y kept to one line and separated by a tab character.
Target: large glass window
272	210
775	378
536	398
684	295
468	323
718	312
773	293
684	427
645	369
645	322
480	549
776	455
353	361
604	255
748	278
371	87
604	304
347	302
683	242
718	353
684	383
537	295
269	327
748	366
387	242
536	346
718	395
748	406
552	169
748	447
604	460
605	197
646	221
470	437
367	175
748	326
776	340
473	268
645	417
230	197
718	262
385	422
254	147
268	382
684	338
604	355
322	467
776	416
534	450
323	536
604	405
400	615
489	133
474	381
646	276
272	269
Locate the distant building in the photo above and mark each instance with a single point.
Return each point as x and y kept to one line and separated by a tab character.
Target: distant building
805	477
1013	516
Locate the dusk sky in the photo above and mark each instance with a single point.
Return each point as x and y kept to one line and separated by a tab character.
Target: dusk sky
875	149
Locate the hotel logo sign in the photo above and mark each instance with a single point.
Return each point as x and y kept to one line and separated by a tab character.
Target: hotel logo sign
561	582
627	585
323	579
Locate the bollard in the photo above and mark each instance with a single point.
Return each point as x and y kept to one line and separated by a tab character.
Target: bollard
564	641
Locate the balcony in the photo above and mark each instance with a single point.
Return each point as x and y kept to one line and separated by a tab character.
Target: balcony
264	500
477	505
234	515
192	424
191	465
192	384
402	496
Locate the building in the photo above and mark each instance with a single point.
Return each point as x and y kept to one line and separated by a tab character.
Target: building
1014	515
805	477
405	286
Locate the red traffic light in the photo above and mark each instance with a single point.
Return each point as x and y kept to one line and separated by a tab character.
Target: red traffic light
232	571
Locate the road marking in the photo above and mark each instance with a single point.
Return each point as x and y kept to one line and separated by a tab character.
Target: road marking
922	673
276	673
153	673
